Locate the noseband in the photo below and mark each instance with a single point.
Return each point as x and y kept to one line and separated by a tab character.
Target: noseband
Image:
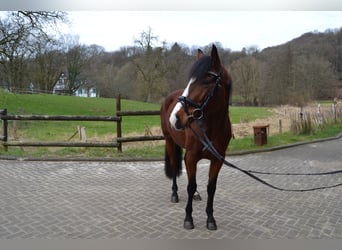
197	113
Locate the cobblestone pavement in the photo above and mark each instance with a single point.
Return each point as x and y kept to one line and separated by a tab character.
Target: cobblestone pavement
131	200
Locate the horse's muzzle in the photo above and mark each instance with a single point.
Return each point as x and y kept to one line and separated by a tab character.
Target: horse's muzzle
178	124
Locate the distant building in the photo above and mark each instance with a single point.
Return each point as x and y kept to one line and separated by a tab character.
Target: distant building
85	90
61	86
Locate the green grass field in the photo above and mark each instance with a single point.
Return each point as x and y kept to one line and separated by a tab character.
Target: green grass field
39	104
26	104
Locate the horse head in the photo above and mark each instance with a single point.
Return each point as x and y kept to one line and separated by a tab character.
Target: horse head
207	76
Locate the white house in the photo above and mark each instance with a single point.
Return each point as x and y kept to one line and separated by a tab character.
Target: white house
61	88
86	91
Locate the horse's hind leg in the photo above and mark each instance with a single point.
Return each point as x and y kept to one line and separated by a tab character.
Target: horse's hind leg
173	166
174	195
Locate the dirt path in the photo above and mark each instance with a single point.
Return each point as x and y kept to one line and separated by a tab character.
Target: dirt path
280	120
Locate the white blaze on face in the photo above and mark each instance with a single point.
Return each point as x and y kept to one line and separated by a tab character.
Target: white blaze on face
178	106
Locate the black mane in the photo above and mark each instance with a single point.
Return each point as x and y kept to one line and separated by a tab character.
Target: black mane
200	68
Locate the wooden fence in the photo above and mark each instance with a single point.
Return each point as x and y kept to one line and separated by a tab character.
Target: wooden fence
118	119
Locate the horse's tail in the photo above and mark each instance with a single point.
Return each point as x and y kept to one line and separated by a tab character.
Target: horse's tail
175	157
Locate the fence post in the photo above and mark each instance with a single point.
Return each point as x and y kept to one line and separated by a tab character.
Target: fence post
335	109
4	128
118	124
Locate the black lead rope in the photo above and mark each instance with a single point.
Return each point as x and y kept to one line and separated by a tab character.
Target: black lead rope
208	146
297	174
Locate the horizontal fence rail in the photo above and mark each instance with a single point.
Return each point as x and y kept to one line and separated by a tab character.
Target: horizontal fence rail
60	118
137	113
140	138
62	144
114	144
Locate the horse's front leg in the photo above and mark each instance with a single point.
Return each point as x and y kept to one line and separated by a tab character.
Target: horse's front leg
191	166
188	221
215	167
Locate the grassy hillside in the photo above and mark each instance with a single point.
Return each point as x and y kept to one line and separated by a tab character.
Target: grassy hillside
65	105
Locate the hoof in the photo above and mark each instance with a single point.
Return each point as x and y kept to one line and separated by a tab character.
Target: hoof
174	198
189	225
211	225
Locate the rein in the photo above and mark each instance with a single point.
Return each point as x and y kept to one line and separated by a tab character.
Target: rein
209	146
197	115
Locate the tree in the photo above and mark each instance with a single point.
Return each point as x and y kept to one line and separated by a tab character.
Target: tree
74	64
47	65
13	66
123	82
19	31
319	78
84	66
278	76
19	26
246	75
150	67
178	62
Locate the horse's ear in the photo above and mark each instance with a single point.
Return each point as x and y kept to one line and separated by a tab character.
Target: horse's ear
200	54
215	59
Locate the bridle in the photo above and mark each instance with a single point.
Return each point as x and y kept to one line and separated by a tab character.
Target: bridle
197	113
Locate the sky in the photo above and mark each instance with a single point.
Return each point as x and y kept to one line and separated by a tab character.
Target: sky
235	24
233	29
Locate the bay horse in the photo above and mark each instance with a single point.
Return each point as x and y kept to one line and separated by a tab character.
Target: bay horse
202	107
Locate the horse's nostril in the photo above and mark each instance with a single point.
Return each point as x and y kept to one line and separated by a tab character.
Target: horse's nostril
178	123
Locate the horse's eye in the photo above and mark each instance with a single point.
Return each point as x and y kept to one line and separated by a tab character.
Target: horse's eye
209	79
